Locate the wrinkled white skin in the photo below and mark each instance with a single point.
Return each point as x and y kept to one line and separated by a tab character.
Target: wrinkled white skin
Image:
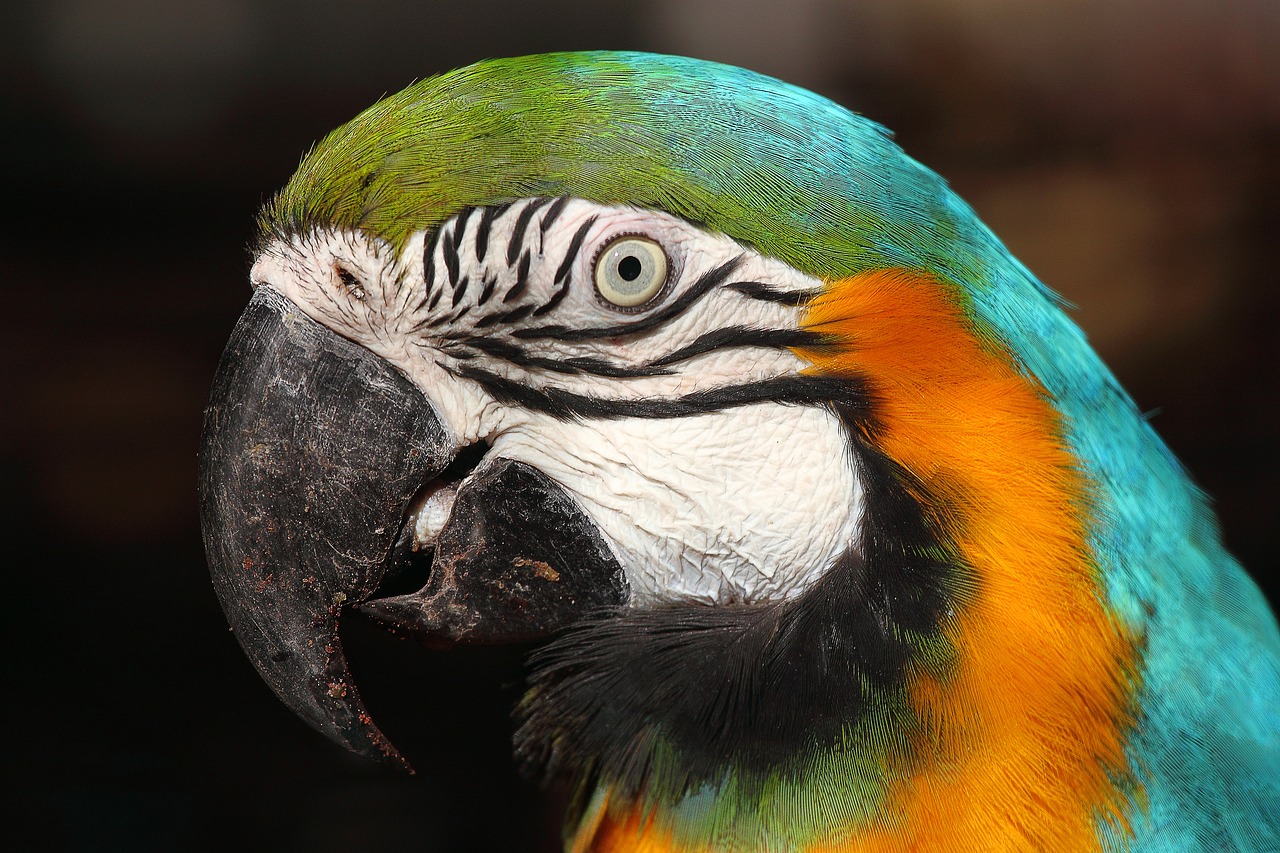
746	504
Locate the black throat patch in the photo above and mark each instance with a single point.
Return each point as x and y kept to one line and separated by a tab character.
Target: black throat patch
751	689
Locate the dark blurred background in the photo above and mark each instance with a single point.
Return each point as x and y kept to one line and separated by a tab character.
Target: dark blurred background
1126	150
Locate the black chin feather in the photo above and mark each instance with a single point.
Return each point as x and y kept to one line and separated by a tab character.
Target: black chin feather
630	695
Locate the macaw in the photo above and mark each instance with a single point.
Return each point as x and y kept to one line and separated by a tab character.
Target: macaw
839	535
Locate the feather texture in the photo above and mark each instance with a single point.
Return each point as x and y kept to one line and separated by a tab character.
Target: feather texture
1101	584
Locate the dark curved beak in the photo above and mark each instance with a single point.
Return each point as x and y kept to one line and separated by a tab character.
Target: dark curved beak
313	450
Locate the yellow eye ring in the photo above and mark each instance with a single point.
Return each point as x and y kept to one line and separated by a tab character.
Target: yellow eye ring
631	271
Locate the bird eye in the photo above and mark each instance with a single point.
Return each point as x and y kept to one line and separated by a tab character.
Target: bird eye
630	271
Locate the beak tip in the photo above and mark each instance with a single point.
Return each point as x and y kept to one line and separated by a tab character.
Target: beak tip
333	706
369	742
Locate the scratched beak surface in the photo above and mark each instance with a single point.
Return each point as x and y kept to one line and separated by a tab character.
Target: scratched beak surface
312	450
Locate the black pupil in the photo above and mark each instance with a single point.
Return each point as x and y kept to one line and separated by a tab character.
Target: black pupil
629	267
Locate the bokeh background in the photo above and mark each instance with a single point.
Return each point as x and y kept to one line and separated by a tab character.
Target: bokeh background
1126	150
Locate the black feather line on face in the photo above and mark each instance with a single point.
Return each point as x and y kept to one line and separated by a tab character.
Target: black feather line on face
553	213
753	690
460	290
452	263
567	405
460	227
522	278
766	293
522	223
515	315
513	354
556	298
428	264
484	228
733	337
489	284
564	271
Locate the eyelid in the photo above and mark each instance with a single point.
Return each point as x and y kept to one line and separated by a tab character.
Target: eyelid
670	266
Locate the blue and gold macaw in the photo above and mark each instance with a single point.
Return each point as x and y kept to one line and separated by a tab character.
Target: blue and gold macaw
842	536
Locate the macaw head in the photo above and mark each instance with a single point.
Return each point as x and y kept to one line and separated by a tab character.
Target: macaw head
696	373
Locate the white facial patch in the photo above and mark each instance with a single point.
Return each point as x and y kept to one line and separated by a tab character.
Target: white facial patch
658	413
744	505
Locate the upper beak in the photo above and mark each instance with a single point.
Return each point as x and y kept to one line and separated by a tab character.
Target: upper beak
313	450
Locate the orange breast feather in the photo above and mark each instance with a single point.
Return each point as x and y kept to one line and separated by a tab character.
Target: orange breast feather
1026	750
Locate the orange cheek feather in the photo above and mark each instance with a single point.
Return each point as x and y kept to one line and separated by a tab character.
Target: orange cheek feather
1027	747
